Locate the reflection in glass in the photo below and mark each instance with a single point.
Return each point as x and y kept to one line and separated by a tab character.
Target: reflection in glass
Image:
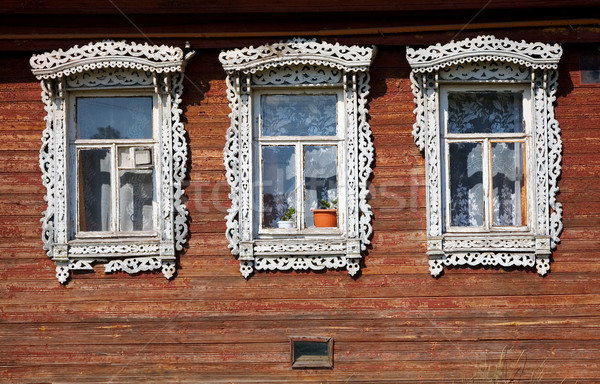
94	190
508	181
485	112
135	200
299	115
320	177
466	185
278	182
114	118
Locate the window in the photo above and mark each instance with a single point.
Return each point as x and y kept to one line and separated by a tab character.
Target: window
311	352
300	145
485	121
484	140
113	157
589	65
114	144
298	142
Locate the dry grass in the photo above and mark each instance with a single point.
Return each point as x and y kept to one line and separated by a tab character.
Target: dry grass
505	371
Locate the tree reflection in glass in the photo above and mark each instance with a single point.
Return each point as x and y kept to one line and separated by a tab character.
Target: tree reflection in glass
485	112
135	200
508	181
320	177
94	190
114	118
299	115
466	185
278	182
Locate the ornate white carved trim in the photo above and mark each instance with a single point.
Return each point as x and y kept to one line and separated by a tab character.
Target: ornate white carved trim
179	157
298	75
134	265
484	48
266	247
116	249
62	273
542	265
83	264
108	54
297	51
298	63
554	160
504	259
486	59
301	263
495	71
141	264
485	243
102	66
109	77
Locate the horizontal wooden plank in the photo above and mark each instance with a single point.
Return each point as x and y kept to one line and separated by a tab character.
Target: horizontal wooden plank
278	352
227	372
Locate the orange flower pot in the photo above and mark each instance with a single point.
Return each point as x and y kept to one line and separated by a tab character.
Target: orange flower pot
325	217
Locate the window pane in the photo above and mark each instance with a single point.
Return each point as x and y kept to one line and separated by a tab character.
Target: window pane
485	112
320	178
299	115
466	185
94	190
589	64
114	118
278	182
508	181
135	200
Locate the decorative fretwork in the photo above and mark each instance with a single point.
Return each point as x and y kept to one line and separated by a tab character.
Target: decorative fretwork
298	75
102	66
298	64
504	259
297	51
486	59
110	77
492	71
141	264
484	48
108	54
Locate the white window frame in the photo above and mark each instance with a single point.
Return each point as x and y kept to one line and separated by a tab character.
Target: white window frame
112	69
76	144
298	66
493	64
300	141
485	138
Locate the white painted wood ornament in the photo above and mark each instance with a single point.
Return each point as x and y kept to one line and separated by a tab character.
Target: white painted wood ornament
494	63
298	67
111	68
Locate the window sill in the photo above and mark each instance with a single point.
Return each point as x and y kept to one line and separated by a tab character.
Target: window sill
494	249
300	254
127	255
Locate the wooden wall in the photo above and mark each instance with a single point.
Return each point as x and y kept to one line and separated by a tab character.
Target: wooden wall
393	324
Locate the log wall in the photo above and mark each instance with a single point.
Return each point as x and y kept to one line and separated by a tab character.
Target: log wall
393	324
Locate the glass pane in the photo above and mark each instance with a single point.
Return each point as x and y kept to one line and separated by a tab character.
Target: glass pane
485	112
508	181
589	64
320	178
311	353
466	185
136	196
94	190
299	115
114	117
278	182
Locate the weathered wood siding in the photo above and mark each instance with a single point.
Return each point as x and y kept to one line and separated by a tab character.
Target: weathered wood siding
394	323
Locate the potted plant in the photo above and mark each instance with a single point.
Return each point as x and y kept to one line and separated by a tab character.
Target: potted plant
326	215
287	220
